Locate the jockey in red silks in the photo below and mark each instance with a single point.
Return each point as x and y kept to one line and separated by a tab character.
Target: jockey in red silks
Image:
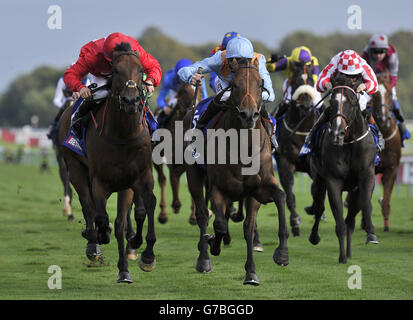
350	64
95	58
382	57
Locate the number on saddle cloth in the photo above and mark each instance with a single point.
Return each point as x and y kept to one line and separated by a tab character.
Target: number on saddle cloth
199	111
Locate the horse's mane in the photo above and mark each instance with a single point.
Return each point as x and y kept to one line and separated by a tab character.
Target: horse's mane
123	46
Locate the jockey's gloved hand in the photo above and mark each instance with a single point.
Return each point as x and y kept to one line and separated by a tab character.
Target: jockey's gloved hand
361	87
328	86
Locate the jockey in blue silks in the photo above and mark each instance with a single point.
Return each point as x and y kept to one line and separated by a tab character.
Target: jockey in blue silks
171	82
238	47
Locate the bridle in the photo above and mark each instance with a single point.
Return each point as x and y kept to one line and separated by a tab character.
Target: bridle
340	114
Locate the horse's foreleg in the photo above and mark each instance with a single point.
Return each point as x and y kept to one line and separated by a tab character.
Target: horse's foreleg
147	260
218	204
163	215
318	192
100	196
250	221
280	255
124	204
388	179
353	202
174	180
334	188
196	185
366	186
286	174
67	190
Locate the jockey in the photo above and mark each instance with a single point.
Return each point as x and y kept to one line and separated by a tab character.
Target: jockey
382	56
95	57
228	36
170	86
298	55
349	63
238	47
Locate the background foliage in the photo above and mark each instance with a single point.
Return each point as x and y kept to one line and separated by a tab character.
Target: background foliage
32	93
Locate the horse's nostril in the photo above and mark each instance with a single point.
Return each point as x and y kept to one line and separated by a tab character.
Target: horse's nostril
256	115
243	115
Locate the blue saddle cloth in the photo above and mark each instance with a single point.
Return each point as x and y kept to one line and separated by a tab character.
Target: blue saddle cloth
78	144
315	141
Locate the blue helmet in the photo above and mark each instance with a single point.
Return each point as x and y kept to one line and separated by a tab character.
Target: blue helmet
240	47
182	63
228	36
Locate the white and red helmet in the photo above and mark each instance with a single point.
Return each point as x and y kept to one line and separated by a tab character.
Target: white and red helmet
379	41
349	62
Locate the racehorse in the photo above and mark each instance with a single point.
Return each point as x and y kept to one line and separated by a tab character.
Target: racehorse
185	100
299	118
63	173
344	161
382	104
119	159
226	183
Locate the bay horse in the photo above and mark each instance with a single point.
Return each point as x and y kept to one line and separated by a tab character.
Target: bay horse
382	104
119	159
299	118
63	173
226	183
344	161
185	100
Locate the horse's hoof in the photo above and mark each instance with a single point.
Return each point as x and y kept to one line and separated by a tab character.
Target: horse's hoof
70	218
371	238
314	239
135	242
342	260
124	277
309	210
258	247
192	221
251	279
203	266
280	257
93	252
104	237
296	231
163	219
147	267
237	217
380	200
67	211
386	229
132	254
323	217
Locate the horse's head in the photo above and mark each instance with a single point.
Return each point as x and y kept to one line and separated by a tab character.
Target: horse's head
382	102
302	86
185	98
127	78
344	107
246	91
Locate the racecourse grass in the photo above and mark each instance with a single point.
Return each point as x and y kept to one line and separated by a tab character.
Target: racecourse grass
34	235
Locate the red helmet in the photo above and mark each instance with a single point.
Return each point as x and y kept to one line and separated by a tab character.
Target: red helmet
110	43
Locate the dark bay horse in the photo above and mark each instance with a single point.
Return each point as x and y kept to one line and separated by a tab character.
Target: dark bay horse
63	173
381	105
299	118
344	161
226	182
185	99
119	160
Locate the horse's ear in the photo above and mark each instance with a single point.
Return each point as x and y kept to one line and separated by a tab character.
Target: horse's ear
292	66
234	63
255	62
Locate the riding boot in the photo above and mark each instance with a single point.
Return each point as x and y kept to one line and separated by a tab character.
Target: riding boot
399	116
76	121
380	141
268	126
209	113
320	121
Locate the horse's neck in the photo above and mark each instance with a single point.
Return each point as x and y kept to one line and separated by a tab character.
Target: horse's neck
293	117
119	124
359	126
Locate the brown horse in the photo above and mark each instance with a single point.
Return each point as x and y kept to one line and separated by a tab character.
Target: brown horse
185	98
294	127
381	105
63	173
226	182
119	160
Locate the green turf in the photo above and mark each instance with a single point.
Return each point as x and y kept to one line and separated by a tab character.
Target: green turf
34	235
